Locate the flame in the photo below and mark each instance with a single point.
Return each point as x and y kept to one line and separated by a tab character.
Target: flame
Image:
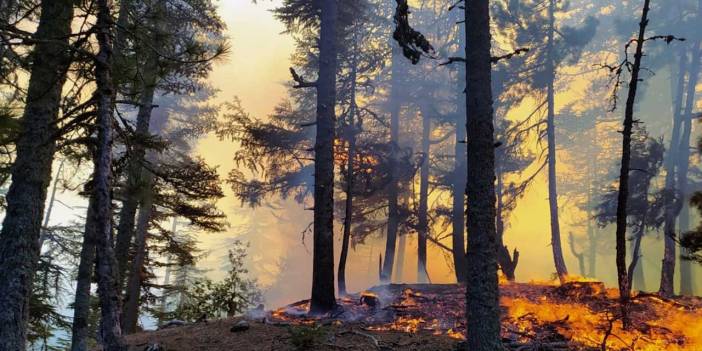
579	313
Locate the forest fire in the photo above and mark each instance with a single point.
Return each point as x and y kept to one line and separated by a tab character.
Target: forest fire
578	315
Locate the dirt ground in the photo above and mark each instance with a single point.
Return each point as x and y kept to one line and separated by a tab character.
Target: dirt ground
216	336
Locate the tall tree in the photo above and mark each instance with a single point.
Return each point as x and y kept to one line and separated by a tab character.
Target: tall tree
686	278
393	186
623	197
556	245
106	264
323	299
31	171
482	293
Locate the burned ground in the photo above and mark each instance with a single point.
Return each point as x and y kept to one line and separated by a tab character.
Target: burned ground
578	315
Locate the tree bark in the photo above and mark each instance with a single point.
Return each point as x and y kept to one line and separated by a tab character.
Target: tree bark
31	171
686	278
393	191
81	305
623	195
556	245
323	299
133	292
482	293
423	220
106	267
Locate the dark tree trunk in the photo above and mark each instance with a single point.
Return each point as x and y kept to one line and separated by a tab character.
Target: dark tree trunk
135	186
556	246
686	287
482	293
106	267
81	305
460	170
507	263
341	276
423	220
323	299
393	210
133	292
351	132
668	265
458	219
623	195
31	171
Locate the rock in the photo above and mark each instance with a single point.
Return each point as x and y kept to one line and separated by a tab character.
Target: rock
172	323
240	326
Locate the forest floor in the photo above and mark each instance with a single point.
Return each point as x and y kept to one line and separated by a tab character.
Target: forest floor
216	336
578	315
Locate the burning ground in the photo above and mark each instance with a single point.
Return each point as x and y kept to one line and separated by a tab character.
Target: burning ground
575	316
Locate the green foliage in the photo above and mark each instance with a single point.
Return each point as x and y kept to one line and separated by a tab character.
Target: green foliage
229	297
306	337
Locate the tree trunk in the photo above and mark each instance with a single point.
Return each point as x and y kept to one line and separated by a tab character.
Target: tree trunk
393	210
341	278
686	287
135	186
668	265
623	195
635	273
556	246
133	292
591	229
106	270
31	171
323	299
458	218
81	305
167	274
423	220
400	260
482	293
507	263
350	156
49	210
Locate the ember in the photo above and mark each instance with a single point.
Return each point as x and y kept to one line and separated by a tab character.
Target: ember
574	316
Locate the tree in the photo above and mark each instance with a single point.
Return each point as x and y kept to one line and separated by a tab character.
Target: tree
101	213
31	171
323	299
482	293
533	24
231	297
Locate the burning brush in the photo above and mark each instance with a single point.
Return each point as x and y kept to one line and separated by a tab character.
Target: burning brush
573	316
